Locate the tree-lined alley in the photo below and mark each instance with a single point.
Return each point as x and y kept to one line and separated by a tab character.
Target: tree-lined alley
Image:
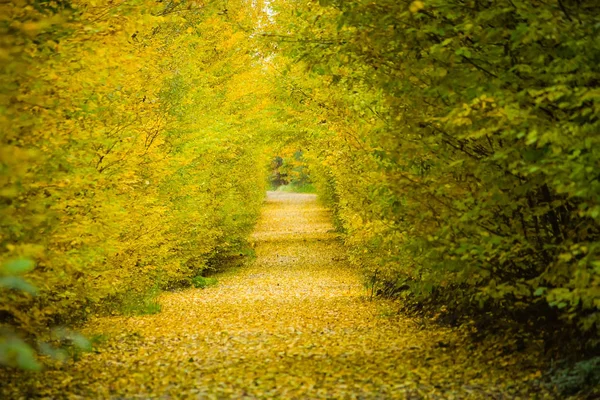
455	143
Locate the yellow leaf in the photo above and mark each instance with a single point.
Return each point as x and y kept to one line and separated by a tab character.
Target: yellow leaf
416	6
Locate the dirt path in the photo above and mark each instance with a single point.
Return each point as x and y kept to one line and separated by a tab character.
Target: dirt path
296	323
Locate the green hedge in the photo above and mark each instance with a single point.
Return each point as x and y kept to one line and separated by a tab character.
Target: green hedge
461	148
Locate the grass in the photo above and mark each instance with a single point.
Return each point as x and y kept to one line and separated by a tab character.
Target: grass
145	303
203	282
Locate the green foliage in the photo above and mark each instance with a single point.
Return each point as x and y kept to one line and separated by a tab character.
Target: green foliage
203	282
292	188
247	252
9	275
457	144
14	352
139	303
583	375
72	344
290	172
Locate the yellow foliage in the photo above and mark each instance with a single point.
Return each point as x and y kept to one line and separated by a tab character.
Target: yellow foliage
121	165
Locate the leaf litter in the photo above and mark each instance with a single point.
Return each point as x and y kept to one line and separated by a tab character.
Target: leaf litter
295	323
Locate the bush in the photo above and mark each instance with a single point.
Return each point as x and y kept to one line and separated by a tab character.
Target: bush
459	148
111	178
582	376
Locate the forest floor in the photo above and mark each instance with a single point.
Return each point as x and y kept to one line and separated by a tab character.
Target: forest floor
296	322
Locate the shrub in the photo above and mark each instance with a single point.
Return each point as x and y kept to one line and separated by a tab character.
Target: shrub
457	144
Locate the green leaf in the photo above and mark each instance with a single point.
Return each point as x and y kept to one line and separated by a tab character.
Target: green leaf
26	358
463	51
18	266
15	352
81	341
50	351
76	339
13	282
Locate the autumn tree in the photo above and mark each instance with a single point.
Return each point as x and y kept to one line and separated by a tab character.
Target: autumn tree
457	143
129	155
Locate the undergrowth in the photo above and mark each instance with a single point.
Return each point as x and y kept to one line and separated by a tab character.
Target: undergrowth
143	303
203	282
572	357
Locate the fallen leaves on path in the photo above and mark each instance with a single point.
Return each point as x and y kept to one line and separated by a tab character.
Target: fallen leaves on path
296	323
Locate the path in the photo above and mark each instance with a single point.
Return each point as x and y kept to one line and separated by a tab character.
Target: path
296	323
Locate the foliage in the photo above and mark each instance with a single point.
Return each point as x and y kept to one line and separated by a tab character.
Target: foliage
296	188
290	171
14	352
294	324
457	143
581	376
139	303
129	154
